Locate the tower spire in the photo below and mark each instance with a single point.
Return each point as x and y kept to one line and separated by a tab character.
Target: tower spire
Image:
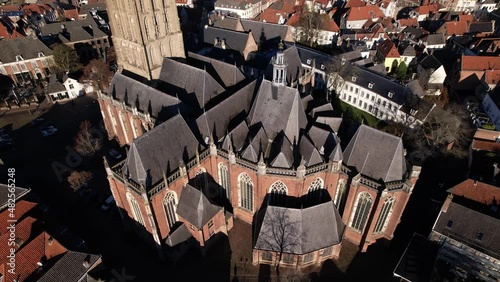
279	66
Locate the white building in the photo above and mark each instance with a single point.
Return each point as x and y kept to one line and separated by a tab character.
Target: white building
382	97
66	89
244	9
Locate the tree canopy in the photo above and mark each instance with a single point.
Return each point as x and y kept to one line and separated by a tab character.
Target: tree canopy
66	59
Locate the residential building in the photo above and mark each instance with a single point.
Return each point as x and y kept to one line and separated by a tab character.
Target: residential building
491	106
454	28
240	156
82	35
242	42
144	32
389	55
382	97
433	41
422	12
64	89
467	231
25	60
431	75
244	9
356	17
325	35
474	72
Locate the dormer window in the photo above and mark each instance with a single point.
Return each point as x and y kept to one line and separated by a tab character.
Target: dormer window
370	85
479	236
308	61
19	58
322	67
353	78
41	54
413	112
342	62
391	94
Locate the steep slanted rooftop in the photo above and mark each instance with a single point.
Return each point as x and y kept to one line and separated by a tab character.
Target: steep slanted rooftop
376	154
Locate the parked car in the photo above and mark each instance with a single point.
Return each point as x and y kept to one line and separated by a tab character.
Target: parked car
115	154
47	131
108	203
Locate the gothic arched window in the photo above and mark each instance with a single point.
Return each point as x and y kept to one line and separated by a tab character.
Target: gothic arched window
170	205
339	193
136	209
224	179
361	211
385	215
245	187
278	193
314	193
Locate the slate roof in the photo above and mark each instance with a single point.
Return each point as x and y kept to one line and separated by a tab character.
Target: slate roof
309	153
236	138
182	76
4	194
278	108
269	31
160	150
435	39
181	234
333	122
234	40
478	27
27	47
324	140
467	223
69	267
75	31
305	54
145	98
417	262
305	230
416	88
228	74
229	23
430	62
281	154
195	207
384	162
216	120
55	86
382	85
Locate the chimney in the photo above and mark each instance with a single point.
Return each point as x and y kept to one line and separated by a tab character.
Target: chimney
50	240
475	183
86	261
63	28
223	44
216	40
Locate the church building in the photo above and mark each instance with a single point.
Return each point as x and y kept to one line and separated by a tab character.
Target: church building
205	151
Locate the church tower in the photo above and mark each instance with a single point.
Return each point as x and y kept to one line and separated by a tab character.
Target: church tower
279	67
144	32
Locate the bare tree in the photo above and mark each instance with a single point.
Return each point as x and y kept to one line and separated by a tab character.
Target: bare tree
445	130
307	28
338	70
79	179
86	141
98	73
294	276
66	58
279	233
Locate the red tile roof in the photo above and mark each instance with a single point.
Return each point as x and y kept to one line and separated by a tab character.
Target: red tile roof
293	20
408	22
454	27
467	18
492	76
388	49
480	63
10	8
22	207
486	134
27	258
71	14
487	146
355	3
23	233
271	16
477	191
328	24
364	13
